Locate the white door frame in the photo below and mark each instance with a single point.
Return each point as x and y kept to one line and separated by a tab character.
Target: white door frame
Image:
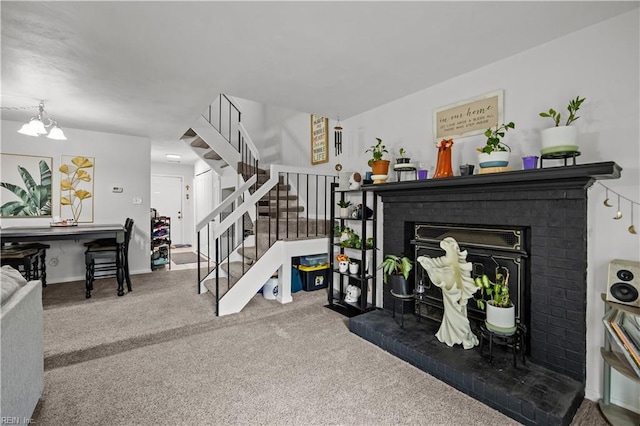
175	222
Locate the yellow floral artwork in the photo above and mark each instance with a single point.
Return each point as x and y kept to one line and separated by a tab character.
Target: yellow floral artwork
76	188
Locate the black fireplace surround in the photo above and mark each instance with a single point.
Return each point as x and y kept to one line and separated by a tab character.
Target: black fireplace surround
551	204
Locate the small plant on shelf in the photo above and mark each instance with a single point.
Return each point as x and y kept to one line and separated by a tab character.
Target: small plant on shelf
573	107
377	152
342	257
493	139
344	203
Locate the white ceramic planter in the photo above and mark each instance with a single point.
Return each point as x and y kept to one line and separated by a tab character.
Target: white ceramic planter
495	159
565	137
501	317
344	212
343	266
354	268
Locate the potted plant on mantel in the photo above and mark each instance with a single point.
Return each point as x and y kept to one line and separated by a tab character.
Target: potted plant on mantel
495	153
561	138
379	166
494	296
395	270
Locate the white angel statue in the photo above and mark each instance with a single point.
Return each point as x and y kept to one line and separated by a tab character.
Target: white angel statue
452	273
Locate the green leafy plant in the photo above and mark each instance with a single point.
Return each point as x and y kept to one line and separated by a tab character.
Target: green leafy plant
377	152
493	139
395	265
401	151
344	203
496	293
573	107
35	199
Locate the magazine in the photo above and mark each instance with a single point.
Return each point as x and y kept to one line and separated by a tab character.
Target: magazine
620	340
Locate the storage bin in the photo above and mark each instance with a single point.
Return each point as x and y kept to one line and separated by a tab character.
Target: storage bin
314	260
314	277
296	280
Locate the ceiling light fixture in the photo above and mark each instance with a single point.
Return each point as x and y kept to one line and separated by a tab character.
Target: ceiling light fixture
39	124
173	156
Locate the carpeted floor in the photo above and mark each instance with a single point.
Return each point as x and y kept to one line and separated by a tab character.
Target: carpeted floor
158	355
187	257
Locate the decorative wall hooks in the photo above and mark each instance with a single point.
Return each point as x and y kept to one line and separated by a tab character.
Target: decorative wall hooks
619	215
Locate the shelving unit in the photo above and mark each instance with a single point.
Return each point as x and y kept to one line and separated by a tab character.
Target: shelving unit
160	242
366	281
616	415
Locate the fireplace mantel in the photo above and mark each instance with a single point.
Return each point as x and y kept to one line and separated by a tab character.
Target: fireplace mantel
552	177
550	206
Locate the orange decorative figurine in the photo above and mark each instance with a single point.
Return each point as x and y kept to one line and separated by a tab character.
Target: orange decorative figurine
443	166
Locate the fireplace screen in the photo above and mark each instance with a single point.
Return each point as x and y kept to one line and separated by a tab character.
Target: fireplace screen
490	250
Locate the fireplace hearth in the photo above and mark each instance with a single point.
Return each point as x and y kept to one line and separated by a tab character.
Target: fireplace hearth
550	206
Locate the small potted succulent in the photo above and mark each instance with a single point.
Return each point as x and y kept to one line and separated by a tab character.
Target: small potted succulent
379	166
494	297
343	262
402	159
495	153
395	270
561	138
344	208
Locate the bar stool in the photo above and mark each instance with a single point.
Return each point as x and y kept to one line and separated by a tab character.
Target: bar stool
22	259
41	268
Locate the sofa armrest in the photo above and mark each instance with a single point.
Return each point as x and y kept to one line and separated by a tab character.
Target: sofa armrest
22	352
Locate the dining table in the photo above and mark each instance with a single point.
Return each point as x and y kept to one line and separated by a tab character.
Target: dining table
18	234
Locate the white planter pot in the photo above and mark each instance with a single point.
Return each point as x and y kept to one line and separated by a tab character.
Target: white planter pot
353	268
501	317
559	139
344	212
495	159
343	266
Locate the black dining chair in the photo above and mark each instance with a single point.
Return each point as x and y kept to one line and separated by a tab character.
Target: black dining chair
107	241
101	259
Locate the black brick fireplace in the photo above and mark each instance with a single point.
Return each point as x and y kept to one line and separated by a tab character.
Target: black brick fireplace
551	205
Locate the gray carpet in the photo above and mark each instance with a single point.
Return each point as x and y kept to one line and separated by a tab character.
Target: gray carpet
159	356
189	257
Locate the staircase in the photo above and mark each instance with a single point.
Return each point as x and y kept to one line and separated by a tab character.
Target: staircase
275	214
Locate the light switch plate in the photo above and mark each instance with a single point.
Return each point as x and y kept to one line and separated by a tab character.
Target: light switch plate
117	189
137	200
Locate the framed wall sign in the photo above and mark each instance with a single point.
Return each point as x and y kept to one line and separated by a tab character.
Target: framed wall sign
469	117
319	139
25	187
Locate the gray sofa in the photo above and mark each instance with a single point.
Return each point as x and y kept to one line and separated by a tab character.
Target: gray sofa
21	346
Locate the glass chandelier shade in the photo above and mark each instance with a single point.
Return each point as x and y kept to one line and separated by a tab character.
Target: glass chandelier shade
36	126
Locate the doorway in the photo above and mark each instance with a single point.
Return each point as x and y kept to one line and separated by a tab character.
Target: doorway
166	198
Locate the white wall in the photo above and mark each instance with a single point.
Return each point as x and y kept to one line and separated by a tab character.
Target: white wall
600	63
185	171
119	161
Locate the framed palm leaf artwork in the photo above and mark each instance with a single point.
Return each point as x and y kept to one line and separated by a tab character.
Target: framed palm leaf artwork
25	186
76	188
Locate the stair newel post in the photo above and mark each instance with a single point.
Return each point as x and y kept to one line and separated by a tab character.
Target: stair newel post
199	277
216	242
287	204
277	209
